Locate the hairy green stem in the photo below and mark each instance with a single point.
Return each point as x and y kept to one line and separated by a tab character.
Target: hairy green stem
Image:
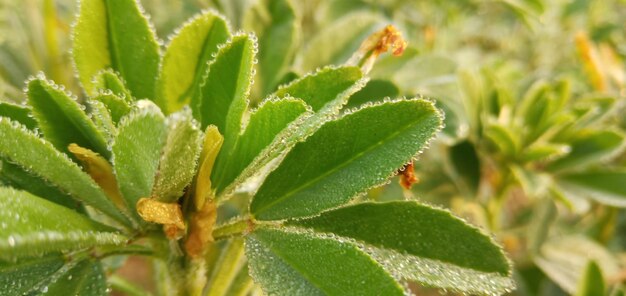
231	229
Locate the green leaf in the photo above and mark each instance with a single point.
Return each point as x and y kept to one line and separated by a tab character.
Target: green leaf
28	276
16	177
116	35
504	138
336	42
226	87
116	106
287	262
267	124
43	160
186	59
108	82
592	282
101	118
590	147
329	89
18	113
322	87
420	243
34	226
179	157
606	187
466	164
373	91
564	258
87	278
345	158
137	151
544	152
276	24
61	119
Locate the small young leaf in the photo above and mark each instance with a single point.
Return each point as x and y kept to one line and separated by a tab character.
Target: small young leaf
264	127
137	151
186	59
606	187
437	248
42	160
346	157
18	113
337	42
180	154
225	88
87	278
590	147
299	263
108	81
116	106
591	282
61	118
116	35
101	118
37	226
277	26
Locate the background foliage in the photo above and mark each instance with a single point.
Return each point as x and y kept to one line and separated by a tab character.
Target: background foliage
533	93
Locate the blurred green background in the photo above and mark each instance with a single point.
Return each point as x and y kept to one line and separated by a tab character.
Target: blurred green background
533	91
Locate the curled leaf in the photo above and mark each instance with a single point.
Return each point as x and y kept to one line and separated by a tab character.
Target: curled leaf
212	144
100	171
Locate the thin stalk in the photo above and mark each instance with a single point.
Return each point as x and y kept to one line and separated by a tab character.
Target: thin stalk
122	285
231	229
227	268
242	284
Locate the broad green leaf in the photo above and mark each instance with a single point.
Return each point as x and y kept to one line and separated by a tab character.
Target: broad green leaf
266	125
329	89
137	151
179	157
34	226
117	107
109	83
18	113
61	119
563	259
276	24
43	160
420	243
590	147
226	86
345	158
322	87
116	35
466	164
592	282
288	262
186	59
87	278
27	276
16	177
373	91
606	187
338	41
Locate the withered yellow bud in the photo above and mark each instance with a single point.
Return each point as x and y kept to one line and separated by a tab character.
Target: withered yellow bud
201	229
100	171
155	211
381	41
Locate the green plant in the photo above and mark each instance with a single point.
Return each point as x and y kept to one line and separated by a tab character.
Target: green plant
164	159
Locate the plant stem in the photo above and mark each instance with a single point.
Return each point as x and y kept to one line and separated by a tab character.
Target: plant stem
231	229
122	285
227	268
